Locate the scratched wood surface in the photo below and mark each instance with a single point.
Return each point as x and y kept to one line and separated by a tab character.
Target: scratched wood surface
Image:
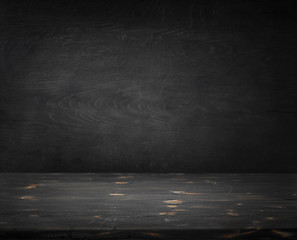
48	202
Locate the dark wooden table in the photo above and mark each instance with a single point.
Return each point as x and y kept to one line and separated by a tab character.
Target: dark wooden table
139	206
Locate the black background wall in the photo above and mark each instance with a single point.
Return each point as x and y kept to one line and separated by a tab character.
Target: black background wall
148	86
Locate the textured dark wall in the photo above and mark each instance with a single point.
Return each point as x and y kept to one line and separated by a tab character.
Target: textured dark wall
160	86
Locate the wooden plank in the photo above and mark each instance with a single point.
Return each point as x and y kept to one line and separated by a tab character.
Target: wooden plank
104	202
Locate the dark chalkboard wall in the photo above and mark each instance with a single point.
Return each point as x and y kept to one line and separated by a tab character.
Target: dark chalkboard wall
148	86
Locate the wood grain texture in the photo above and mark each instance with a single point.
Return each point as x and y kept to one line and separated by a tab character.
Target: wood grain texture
61	202
81	94
148	206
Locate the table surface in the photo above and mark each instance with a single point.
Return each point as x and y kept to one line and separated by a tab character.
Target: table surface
115	201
